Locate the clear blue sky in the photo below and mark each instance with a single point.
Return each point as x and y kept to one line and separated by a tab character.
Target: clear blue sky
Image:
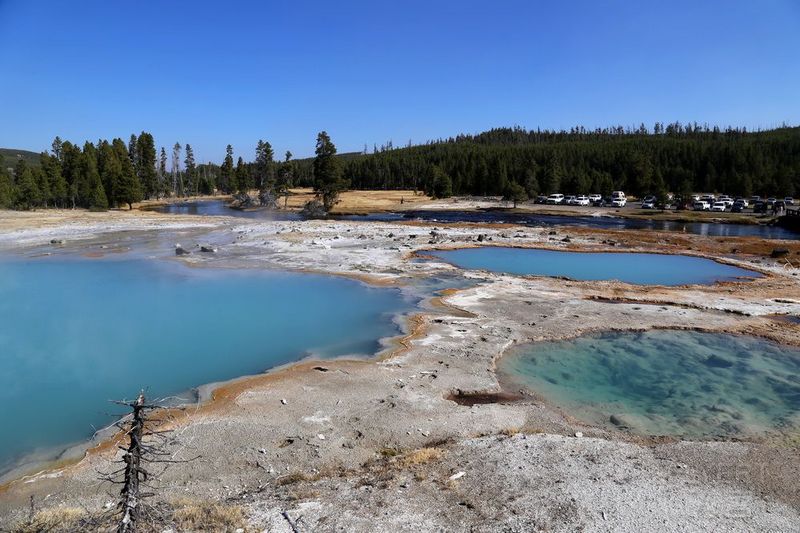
213	73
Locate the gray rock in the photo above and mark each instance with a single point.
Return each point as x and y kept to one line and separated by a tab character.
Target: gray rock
619	421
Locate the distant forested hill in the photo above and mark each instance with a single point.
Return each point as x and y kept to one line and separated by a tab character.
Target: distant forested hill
11	157
675	157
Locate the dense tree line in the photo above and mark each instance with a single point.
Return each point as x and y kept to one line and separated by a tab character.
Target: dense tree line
94	176
674	157
512	162
115	174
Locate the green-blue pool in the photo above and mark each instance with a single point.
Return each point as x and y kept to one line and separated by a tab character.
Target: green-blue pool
75	334
636	268
665	382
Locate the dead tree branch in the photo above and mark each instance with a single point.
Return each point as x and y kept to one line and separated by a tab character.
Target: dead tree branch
134	473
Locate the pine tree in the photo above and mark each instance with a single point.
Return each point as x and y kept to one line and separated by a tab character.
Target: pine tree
91	191
56	183
56	147
229	184
531	182
515	193
6	187
43	184
265	172
177	178
162	172
129	190
146	164
242	176
110	171
133	153
70	158
27	191
190	170
553	173
438	183
328	181
499	176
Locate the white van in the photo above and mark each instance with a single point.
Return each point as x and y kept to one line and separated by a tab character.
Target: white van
555	199
618	199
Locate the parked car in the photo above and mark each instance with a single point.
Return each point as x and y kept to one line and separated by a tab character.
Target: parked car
569	200
760	207
754	199
727	200
719	206
541	199
595	197
618	199
701	205
582	200
789	200
742	201
739	205
555	199
649	202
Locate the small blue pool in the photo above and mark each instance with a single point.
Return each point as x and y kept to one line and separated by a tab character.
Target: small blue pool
681	383
636	268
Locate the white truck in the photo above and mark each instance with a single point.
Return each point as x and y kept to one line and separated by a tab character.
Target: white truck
618	199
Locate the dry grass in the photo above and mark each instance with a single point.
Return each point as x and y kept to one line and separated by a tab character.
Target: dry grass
389	452
420	457
54	519
362	201
192	515
291	479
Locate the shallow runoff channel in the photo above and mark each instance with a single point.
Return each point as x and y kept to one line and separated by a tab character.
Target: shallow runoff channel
76	333
710	229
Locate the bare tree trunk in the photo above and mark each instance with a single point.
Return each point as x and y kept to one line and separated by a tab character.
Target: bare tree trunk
133	470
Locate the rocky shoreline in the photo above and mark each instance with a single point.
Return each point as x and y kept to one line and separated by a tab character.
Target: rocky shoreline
394	440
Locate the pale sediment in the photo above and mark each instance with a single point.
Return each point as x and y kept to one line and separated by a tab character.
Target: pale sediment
524	469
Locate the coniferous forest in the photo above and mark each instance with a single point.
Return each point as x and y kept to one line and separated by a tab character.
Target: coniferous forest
676	158
504	161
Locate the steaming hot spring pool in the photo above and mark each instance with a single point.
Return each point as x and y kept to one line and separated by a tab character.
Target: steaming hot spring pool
665	382
76	333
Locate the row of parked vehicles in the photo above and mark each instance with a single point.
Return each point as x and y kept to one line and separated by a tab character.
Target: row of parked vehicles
724	203
617	199
705	202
